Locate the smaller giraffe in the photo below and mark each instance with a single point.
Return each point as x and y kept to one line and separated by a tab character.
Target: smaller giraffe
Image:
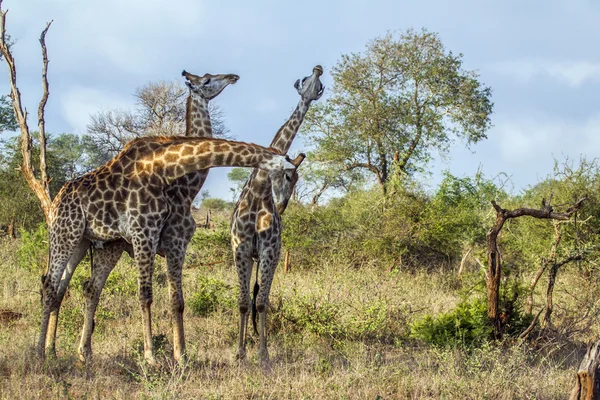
126	199
256	220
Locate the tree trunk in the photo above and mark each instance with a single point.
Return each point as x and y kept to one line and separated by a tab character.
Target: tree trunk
494	259
494	274
542	268
587	384
11	229
40	187
549	303
286	263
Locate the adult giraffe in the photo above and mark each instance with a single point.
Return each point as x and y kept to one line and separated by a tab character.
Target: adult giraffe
178	229
126	199
256	221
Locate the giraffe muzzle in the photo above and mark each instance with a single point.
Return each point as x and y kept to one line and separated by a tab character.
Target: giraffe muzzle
311	86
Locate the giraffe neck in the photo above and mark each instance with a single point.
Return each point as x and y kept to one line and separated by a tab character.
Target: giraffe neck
197	119
173	157
286	134
258	185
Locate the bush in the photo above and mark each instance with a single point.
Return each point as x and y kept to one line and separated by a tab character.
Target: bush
215	204
211	294
313	313
32	254
122	282
465	326
210	246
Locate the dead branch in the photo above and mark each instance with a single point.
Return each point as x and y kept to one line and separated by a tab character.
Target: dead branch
38	186
551	282
546	212
41	112
542	268
587	383
529	329
494	261
463	260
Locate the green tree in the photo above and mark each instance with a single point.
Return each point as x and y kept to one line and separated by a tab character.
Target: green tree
67	157
215	204
394	104
238	176
7	115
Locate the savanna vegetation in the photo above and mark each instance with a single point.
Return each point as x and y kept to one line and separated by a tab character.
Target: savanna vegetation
386	290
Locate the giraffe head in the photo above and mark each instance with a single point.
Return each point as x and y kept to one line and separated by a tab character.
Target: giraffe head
283	183
311	88
208	86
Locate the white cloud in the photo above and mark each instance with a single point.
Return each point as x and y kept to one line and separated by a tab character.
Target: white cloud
527	139
525	148
571	73
266	105
131	36
78	103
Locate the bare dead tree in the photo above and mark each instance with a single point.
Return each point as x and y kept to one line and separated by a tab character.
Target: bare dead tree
160	110
162	107
587	381
40	186
494	260
543	265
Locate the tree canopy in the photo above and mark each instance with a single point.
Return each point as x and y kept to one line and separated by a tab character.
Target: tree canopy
160	110
396	103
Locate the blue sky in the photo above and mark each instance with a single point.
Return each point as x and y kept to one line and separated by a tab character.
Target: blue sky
539	57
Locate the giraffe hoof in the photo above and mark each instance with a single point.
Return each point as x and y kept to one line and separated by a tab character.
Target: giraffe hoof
240	356
151	361
264	363
51	352
40	354
182	360
85	354
263	358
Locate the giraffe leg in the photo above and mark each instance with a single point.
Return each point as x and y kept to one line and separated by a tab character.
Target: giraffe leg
144	249
243	262
63	244
105	260
268	262
75	259
175	256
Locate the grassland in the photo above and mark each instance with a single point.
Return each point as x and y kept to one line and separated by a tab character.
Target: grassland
338	331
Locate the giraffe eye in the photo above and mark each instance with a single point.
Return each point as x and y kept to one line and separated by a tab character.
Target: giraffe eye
207	82
288	178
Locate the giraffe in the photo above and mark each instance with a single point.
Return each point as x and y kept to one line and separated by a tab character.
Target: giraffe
179	227
256	220
125	199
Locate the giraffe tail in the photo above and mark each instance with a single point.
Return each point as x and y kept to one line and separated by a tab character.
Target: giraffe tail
254	294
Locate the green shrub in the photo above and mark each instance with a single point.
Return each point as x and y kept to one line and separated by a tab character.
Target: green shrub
467	325
309	313
211	294
121	282
216	204
32	254
210	246
71	321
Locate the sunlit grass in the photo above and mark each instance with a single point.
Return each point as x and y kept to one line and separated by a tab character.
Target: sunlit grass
359	348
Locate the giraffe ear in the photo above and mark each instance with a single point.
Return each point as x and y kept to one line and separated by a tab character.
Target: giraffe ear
320	93
297	85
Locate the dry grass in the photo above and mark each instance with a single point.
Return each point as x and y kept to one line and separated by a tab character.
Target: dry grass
304	364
